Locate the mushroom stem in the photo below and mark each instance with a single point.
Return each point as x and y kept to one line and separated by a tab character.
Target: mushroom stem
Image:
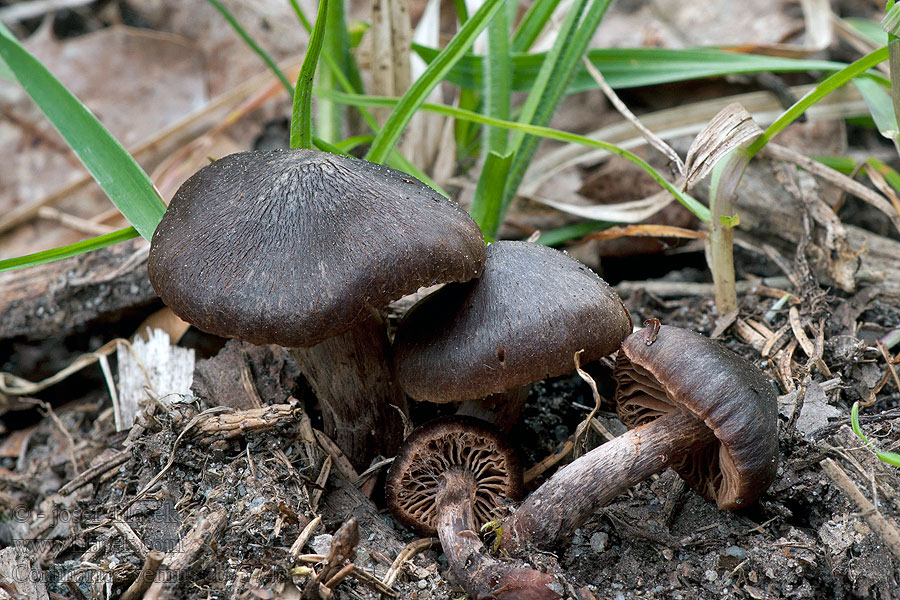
361	403
550	515
501	410
481	575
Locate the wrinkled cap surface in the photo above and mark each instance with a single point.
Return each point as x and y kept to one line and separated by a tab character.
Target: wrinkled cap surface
520	322
461	443
295	246
733	397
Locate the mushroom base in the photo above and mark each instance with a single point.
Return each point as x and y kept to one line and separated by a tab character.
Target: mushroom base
354	383
549	516
481	575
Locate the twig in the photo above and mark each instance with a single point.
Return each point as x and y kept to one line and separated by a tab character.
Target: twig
321	480
653	139
538	469
92	473
836	178
408	552
678	289
145	578
304	536
190	548
876	521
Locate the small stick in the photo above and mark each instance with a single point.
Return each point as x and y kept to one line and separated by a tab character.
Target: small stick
189	550
408	552
548	463
321	480
876	521
341	575
145	578
304	536
340	461
132	539
92	473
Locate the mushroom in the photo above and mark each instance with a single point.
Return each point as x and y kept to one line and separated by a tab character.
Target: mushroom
303	248
449	477
695	406
520	322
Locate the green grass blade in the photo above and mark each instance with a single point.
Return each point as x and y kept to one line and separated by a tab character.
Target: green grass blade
549	70
253	45
880	106
575	231
433	75
301	116
637	67
108	162
498	80
569	61
545	132
488	196
39	258
329	115
828	85
532	24
868	29
890	24
891	458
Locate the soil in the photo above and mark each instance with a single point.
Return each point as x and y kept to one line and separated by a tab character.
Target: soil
804	539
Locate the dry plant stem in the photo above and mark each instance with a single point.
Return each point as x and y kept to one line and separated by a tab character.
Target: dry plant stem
353	381
139	586
721	236
550	515
481	575
500	410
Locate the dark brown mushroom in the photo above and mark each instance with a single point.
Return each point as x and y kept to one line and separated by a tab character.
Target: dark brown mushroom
451	476
302	248
695	406
521	321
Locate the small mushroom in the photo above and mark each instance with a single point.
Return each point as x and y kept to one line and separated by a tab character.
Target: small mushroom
449	477
695	406
303	248
522	321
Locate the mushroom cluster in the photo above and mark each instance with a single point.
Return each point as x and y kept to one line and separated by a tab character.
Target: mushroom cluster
304	248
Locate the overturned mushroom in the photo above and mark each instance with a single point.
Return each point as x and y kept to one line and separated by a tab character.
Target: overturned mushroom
302	248
450	476
532	308
695	406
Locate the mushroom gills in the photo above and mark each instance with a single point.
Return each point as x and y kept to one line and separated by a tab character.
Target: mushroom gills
466	453
645	399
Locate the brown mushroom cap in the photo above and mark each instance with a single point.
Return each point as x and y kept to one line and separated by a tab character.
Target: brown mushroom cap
520	322
451	443
687	370
295	246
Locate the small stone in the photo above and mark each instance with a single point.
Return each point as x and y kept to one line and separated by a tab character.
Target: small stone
598	542
736	551
423	583
321	544
710	575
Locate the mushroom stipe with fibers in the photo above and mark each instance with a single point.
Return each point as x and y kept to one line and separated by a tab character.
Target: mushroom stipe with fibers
694	406
303	248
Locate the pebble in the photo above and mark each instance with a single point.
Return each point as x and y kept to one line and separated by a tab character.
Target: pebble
598	541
